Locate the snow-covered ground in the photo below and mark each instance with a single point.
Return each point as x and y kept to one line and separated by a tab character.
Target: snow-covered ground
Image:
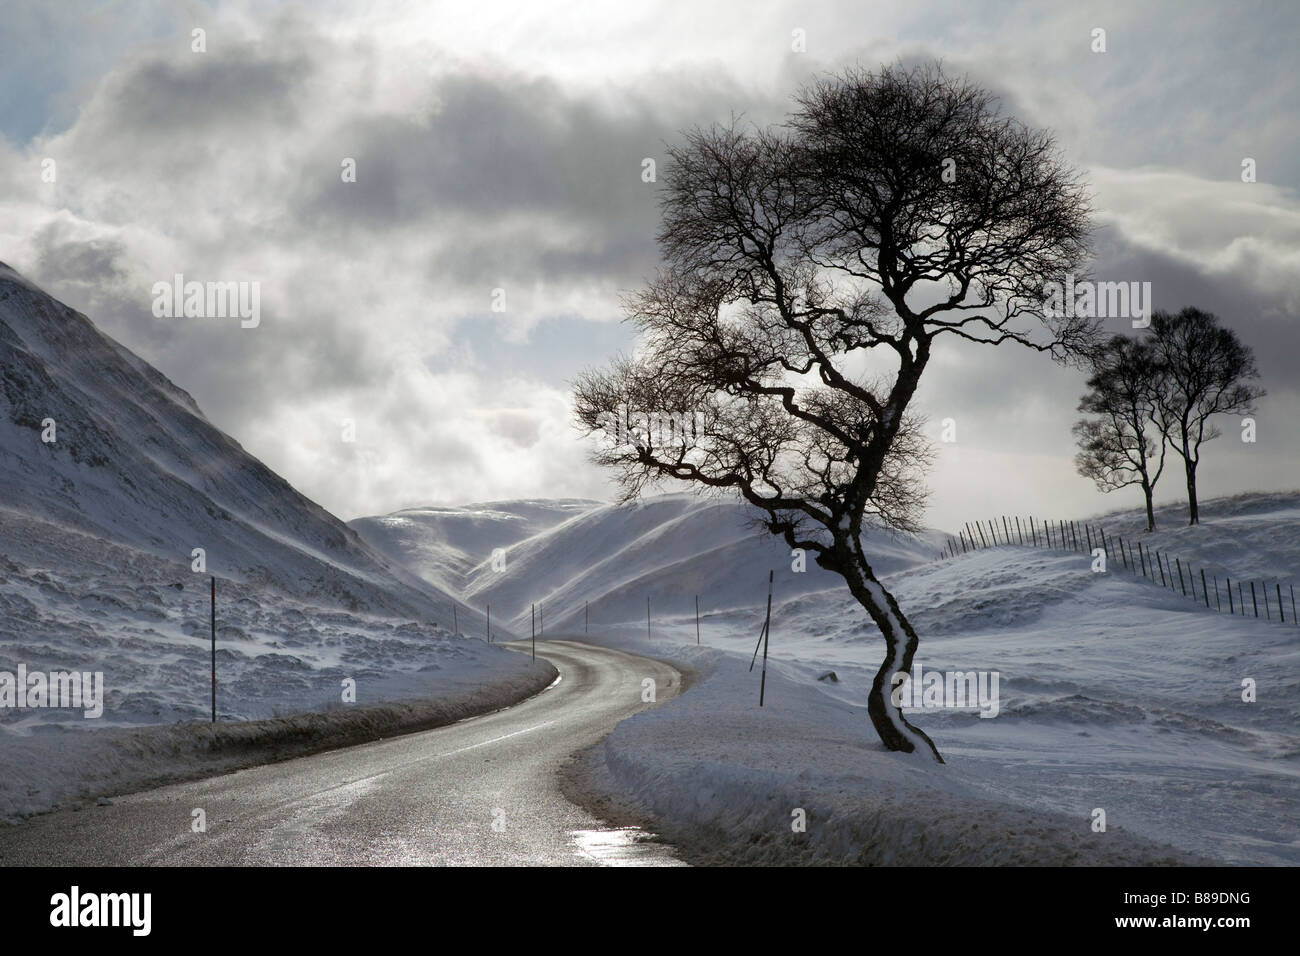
70	601
1113	693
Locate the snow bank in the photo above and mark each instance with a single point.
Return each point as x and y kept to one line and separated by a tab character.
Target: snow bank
1114	694
53	770
726	781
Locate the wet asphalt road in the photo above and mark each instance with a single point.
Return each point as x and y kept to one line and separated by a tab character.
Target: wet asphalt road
479	792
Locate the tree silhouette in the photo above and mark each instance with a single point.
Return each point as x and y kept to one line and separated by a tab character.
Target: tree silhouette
893	207
1208	371
1124	394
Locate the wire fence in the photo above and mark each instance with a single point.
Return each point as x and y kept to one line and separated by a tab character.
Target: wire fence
1177	575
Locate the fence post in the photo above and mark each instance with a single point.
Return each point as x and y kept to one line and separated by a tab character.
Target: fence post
697	619
1142	558
1019	534
1252	598
1203	590
1162	571
1171	573
1218	602
1121	551
981	531
1006	528
1292	587
1264	587
1087	533
1280	615
1181	582
1230	608
214	648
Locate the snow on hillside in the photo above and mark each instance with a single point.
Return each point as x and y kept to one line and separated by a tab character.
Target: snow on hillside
1251	536
668	548
444	545
96	533
135	461
1114	693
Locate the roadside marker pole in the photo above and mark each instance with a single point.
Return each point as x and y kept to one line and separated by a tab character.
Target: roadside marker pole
767	633
213	593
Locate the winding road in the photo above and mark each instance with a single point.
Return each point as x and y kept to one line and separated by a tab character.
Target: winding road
482	791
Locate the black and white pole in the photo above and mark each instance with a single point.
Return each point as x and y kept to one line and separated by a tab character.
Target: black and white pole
213	594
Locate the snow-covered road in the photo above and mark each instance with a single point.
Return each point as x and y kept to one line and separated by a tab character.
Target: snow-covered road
482	791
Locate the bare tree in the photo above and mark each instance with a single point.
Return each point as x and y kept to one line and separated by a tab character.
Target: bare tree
893	208
1208	371
1124	393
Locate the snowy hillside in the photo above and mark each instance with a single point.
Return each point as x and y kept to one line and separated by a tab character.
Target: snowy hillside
135	461
96	533
668	548
1114	693
444	545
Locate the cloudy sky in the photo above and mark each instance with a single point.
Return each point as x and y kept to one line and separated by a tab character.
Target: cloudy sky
500	146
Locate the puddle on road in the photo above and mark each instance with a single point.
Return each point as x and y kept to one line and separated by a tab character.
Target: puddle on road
624	846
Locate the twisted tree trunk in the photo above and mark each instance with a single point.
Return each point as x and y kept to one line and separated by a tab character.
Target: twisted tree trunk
900	645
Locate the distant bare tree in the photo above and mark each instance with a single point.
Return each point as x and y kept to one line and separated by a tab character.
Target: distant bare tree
1124	393
1208	371
893	208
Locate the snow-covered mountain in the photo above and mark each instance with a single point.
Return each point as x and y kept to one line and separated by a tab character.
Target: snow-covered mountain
97	530
567	555
445	545
134	461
